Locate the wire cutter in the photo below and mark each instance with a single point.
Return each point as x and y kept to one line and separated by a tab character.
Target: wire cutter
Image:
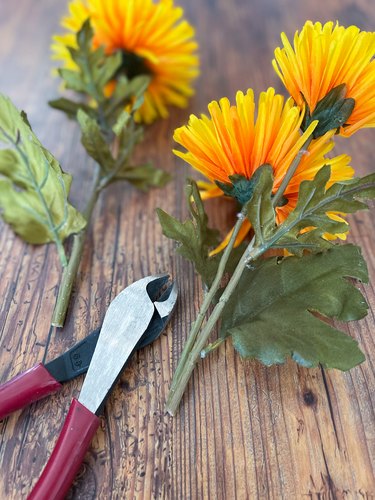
135	318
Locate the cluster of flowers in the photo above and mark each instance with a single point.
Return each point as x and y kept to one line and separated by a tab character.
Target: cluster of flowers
328	69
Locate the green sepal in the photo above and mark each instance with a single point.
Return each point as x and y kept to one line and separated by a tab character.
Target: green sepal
33	188
133	65
271	314
332	112
240	187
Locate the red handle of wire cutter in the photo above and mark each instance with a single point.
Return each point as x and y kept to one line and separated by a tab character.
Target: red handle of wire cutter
27	387
74	440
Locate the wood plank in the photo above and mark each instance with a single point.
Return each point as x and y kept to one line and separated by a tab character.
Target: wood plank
243	431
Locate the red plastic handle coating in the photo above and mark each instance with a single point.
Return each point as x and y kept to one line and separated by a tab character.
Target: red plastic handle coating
24	389
74	440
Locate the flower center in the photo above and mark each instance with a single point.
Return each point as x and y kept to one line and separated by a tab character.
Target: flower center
132	65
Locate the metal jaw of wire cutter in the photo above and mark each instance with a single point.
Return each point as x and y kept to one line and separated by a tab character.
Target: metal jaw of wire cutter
147	302
77	359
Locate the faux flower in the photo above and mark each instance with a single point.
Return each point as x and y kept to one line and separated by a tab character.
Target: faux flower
235	140
325	57
154	39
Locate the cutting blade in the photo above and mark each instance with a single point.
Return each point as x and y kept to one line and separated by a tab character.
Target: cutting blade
127	318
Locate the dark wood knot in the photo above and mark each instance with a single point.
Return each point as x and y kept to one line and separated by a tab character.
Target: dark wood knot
309	398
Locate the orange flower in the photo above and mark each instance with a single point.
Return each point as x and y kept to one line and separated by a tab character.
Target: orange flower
324	57
154	39
233	140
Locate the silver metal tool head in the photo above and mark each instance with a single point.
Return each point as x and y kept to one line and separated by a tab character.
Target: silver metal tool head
164	308
125	322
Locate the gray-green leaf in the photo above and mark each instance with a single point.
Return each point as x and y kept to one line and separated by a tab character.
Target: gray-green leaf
143	177
270	316
70	107
95	68
94	142
194	236
260	210
33	188
314	201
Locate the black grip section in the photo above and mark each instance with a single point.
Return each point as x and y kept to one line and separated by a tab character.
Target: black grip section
76	360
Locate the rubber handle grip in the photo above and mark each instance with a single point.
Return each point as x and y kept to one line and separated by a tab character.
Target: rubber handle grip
22	390
74	440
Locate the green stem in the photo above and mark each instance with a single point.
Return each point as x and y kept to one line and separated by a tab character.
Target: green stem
211	347
61	252
70	271
291	171
175	395
207	301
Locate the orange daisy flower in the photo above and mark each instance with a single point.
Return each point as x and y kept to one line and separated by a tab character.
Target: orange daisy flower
233	140
322	58
154	39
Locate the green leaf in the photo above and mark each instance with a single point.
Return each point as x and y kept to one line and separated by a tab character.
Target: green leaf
332	111
314	201
194	236
128	138
95	68
271	314
73	80
260	210
33	188
94	142
143	177
261	213
127	92
137	89
70	108
121	122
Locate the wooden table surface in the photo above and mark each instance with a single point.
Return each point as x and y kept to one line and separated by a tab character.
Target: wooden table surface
243	431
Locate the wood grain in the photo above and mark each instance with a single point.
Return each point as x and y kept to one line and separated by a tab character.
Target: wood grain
243	431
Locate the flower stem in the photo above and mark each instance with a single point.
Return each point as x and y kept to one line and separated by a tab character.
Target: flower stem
175	395
61	252
71	269
291	171
211	347
207	302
